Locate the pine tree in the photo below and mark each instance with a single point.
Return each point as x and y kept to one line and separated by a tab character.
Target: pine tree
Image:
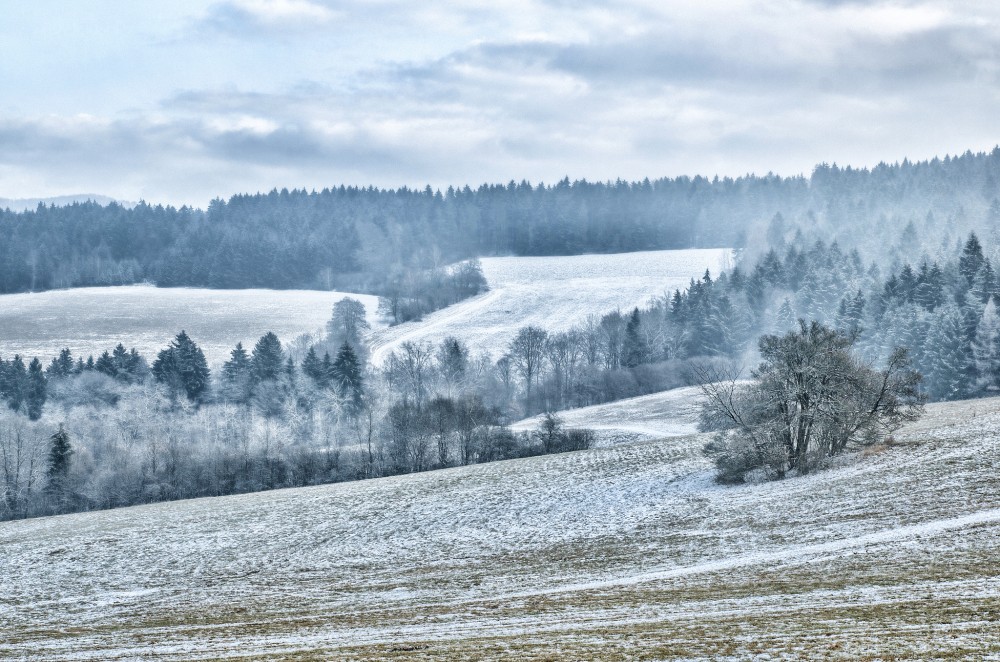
984	284
16	383
986	349
62	365
635	350
972	259
268	360
348	377
182	367
785	319
57	473
236	375
36	392
312	366
948	355
105	365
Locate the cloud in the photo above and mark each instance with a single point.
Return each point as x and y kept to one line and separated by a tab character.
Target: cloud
248	17
553	89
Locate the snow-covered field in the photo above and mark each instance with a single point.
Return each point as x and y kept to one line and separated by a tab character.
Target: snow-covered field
555	293
625	552
671	413
93	319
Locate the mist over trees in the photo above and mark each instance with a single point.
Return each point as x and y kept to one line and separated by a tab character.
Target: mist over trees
387	241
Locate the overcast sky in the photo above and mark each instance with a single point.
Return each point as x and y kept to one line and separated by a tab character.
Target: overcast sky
183	101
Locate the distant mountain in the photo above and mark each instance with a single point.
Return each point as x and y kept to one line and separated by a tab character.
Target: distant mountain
27	204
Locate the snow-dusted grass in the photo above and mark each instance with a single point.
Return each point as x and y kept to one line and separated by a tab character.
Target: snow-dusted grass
555	293
91	320
626	552
671	413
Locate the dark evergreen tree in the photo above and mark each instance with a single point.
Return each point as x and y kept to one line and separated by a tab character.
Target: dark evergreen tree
35	392
16	383
971	260
62	365
236	375
348	377
268	360
312	367
636	349
57	472
183	368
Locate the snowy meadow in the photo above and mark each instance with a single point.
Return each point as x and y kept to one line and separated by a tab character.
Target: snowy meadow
630	551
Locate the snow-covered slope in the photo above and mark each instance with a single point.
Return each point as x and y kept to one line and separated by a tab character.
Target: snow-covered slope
555	293
671	413
615	553
92	319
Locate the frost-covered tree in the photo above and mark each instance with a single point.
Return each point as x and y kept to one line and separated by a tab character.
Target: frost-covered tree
947	355
810	398
986	349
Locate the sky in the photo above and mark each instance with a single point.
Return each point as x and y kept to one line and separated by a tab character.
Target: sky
181	102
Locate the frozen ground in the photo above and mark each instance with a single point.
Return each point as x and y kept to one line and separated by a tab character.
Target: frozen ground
626	552
555	293
671	413
93	319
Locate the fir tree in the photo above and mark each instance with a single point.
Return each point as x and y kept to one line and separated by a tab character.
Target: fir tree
348	377
312	366
948	355
971	260
182	367
268	360
636	350
986	349
16	383
57	472
35	391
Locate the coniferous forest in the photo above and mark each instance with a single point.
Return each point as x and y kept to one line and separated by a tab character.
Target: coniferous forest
367	239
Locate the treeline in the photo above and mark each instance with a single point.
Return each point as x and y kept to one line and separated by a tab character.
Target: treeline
117	431
944	310
367	239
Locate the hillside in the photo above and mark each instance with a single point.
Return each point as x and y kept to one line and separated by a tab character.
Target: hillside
555	293
671	413
628	552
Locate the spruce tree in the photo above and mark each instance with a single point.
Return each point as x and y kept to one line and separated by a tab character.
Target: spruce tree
236	375
36	392
348	377
57	472
971	260
16	383
986	349
268	360
948	355
636	351
182	367
312	366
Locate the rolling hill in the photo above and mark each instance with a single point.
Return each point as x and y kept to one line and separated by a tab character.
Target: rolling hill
553	292
624	552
